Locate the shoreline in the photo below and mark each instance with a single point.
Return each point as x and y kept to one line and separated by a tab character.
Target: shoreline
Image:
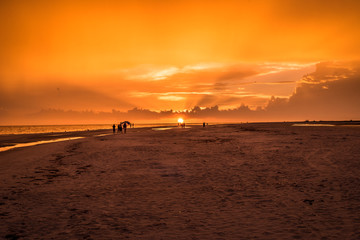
29	139
12	139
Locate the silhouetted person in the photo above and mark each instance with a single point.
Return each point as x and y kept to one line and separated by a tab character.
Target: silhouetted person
113	128
119	128
124	127
203	124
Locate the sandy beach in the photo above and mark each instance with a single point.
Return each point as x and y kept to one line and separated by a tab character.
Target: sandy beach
248	181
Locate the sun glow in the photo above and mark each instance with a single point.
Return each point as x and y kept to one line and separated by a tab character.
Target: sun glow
180	120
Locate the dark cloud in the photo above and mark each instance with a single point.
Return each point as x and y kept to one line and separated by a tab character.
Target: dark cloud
329	93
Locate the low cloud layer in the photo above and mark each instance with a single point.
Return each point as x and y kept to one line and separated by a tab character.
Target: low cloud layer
328	93
331	92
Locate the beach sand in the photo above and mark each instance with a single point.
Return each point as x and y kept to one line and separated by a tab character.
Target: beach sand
250	181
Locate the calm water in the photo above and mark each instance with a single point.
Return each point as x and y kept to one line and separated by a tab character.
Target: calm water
4	130
313	125
3	149
29	129
67	128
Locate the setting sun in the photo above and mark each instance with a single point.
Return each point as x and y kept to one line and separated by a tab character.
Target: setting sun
180	120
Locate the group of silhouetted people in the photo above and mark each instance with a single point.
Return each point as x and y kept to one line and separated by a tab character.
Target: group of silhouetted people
181	124
121	127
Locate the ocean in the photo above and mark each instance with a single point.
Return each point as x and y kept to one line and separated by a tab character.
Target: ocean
30	129
9	139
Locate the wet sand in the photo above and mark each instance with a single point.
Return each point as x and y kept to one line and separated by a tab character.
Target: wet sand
251	181
13	139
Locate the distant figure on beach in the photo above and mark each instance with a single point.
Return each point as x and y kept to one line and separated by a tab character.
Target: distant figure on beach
119	128
113	128
124	127
203	124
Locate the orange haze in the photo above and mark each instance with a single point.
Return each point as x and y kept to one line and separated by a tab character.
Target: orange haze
117	55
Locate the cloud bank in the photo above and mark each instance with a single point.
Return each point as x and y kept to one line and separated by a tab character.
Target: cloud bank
331	92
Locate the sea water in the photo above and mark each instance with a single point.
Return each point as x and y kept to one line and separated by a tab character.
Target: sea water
18	145
31	129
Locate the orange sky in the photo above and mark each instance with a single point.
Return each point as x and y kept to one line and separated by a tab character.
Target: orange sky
155	54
